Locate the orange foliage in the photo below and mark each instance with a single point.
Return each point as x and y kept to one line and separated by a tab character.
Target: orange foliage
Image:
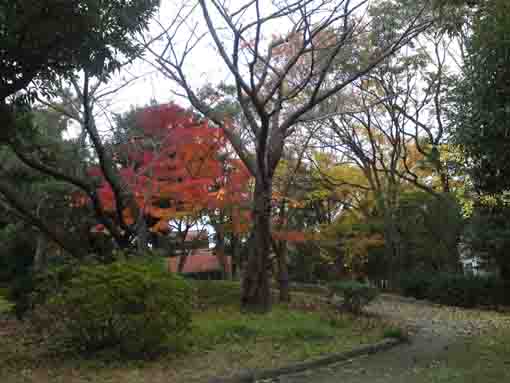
181	174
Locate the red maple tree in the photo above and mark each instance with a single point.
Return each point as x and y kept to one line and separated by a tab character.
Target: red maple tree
176	167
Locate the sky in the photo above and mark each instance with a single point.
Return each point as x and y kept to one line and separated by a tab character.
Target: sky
203	66
152	84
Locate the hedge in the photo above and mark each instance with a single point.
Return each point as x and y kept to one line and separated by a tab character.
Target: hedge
456	289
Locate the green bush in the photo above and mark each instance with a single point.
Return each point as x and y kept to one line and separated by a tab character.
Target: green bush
5	305
356	295
455	289
396	333
416	285
465	291
133	306
32	289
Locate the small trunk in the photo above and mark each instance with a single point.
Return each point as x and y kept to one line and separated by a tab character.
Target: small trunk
256	294
283	273
226	272
182	261
142	236
40	259
236	259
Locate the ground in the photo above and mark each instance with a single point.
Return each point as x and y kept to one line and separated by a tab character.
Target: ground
446	345
223	342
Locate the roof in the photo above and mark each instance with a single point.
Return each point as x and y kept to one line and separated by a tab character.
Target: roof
200	235
199	261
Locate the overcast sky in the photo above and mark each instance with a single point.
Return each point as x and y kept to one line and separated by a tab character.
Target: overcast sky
203	65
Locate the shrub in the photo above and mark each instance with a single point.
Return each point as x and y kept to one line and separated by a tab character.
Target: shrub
465	291
356	295
416	285
396	333
5	305
455	289
32	289
133	306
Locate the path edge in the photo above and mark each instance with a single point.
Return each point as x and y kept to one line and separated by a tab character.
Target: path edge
254	375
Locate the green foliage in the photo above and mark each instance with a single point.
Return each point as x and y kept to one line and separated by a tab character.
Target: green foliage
41	38
31	289
396	333
456	289
16	253
307	264
133	306
488	236
481	106
356	295
416	285
429	229
5	305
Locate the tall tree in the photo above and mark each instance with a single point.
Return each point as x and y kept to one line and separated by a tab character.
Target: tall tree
273	99
481	110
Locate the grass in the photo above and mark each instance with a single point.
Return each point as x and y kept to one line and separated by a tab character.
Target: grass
5	305
396	333
482	359
224	341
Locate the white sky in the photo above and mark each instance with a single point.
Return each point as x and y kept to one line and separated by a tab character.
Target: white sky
203	66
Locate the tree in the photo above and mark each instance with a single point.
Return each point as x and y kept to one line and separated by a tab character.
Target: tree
272	97
487	234
53	38
176	167
50	37
481	105
480	114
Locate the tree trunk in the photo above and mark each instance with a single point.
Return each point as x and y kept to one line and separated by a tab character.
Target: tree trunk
256	294
226	272
236	258
40	258
183	257
391	240
283	272
124	196
142	235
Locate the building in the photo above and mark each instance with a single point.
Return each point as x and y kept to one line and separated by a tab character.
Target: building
201	261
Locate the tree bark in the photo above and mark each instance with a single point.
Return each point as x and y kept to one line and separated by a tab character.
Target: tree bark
236	259
124	196
22	206
183	257
256	294
283	272
40	258
226	272
391	235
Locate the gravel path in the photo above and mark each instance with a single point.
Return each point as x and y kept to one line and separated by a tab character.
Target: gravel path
433	329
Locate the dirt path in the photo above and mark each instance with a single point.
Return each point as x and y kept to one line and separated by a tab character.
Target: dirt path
433	329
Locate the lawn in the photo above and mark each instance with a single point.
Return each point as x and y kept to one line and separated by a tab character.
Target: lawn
481	359
224	341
